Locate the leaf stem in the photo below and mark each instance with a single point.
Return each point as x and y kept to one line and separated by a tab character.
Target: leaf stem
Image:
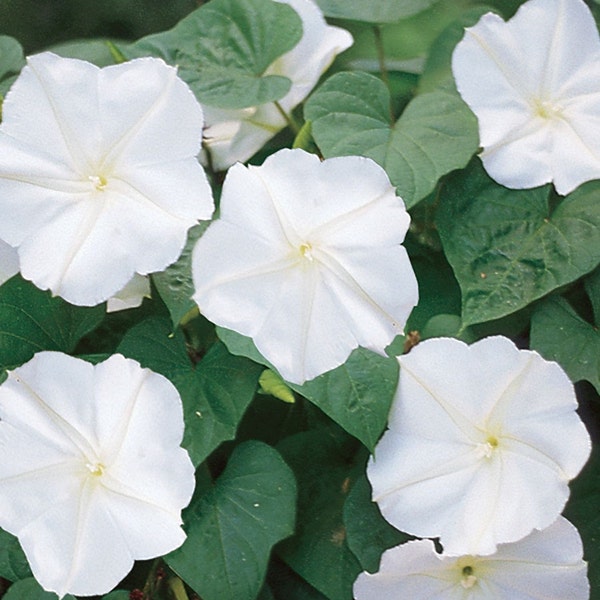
289	118
382	68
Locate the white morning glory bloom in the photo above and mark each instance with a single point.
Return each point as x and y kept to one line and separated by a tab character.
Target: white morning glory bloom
92	475
545	565
98	175
306	260
534	84
9	262
235	135
481	445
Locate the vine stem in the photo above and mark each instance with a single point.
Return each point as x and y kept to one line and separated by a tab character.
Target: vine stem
382	68
289	119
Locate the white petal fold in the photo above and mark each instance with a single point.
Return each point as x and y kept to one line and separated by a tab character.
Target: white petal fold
98	176
538	106
92	475
306	259
475	450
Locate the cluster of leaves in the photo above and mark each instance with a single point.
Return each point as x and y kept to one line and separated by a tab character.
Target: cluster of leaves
282	507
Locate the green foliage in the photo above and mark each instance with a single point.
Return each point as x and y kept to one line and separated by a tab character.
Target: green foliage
13	564
559	333
582	511
174	284
11	56
436	134
215	393
325	466
223	50
232	528
32	320
369	534
357	395
30	589
375	11
511	247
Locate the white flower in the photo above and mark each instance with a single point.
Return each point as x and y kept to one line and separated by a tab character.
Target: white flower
546	565
91	472
306	259
9	262
131	296
235	135
534	85
98	175
481	445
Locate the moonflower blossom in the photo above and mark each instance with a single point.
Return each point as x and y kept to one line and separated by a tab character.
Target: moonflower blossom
481	445
534	84
9	262
92	475
235	135
98	175
545	565
306	260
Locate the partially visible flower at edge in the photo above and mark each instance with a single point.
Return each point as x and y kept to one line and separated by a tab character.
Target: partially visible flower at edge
92	475
99	178
475	453
545	565
9	262
306	259
534	84
235	135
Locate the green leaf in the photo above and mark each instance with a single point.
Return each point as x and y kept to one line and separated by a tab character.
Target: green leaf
12	59
508	247
374	11
32	320
558	333
369	534
437	73
175	284
435	134
324	466
232	528
215	394
117	595
13	564
30	589
357	395
95	51
582	511
592	287
224	48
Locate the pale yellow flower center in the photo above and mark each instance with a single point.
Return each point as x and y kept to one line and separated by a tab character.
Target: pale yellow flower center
486	449
306	251
95	469
98	181
546	109
468	578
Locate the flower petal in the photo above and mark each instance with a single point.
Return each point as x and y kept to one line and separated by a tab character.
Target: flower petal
473	452
301	268
530	132
92	475
115	185
546	565
131	296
